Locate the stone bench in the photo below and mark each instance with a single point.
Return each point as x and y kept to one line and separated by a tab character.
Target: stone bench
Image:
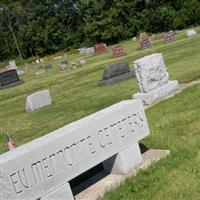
41	169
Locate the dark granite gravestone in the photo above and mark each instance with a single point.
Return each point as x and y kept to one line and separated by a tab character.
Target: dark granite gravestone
170	36
100	48
9	78
144	41
48	66
118	51
65	62
115	73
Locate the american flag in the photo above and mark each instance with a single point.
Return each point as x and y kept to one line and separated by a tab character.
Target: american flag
10	143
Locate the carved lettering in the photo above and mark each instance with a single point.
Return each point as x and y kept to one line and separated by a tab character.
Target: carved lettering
47	167
91	145
15	183
38	172
23	179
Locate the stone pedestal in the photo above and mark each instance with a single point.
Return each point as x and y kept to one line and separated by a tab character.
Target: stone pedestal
158	93
62	193
125	161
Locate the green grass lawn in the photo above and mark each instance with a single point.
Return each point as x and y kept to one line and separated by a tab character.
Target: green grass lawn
174	123
76	94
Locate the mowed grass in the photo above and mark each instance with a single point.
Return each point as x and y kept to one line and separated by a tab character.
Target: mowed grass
76	94
174	125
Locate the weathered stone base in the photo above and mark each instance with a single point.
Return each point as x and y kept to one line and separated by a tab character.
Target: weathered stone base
157	94
125	161
116	79
62	193
12	84
98	189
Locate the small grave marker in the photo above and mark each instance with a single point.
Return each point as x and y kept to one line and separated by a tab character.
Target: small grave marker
100	48
144	41
38	100
115	73
9	78
170	36
191	33
117	51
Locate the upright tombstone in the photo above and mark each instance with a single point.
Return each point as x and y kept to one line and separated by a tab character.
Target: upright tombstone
144	41
42	169
9	78
48	66
191	33
159	36
118	51
100	48
170	36
38	100
87	51
115	73
12	64
152	78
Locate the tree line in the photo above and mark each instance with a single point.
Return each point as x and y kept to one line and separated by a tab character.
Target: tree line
41	27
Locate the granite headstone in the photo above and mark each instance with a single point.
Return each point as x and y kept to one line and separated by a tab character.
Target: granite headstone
153	79
9	78
38	100
115	73
118	51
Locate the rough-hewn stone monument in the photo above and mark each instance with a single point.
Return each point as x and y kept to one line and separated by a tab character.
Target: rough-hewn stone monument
38	100
153	79
41	169
115	73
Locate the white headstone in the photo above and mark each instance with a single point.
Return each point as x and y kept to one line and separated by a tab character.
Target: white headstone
83	62
134	38
20	72
152	77
38	100
12	64
191	33
42	168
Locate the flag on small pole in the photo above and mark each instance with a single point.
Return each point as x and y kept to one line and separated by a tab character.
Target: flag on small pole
10	143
